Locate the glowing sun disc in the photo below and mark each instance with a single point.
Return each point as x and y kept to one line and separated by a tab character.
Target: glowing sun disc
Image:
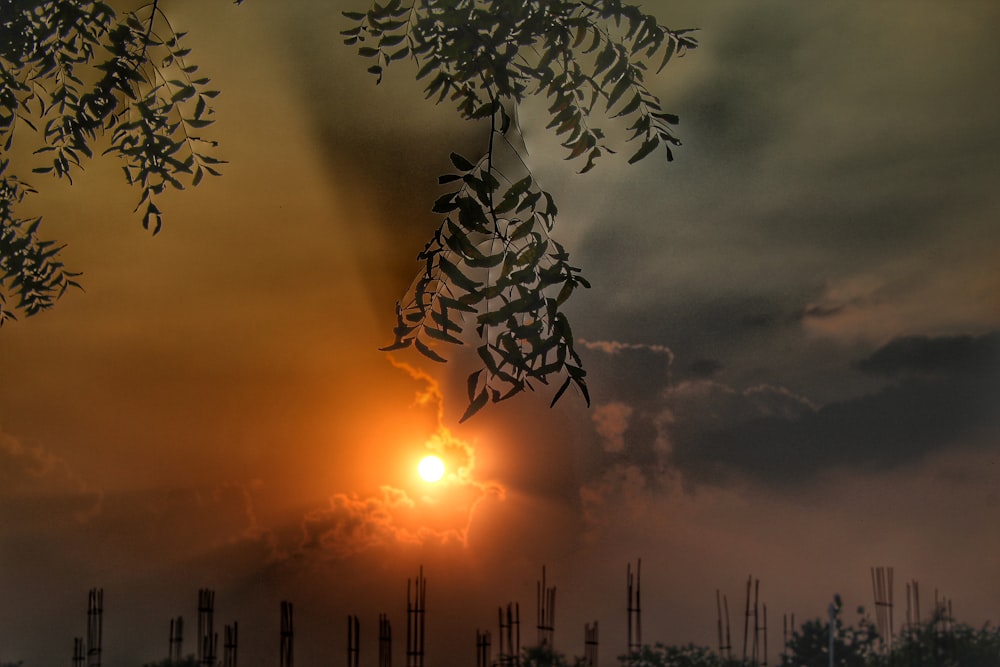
430	469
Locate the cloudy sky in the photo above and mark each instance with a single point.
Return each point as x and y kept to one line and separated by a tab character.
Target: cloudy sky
792	344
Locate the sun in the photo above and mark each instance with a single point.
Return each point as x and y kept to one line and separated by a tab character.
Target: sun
431	469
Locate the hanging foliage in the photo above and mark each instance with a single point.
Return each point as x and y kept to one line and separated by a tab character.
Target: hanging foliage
72	72
493	262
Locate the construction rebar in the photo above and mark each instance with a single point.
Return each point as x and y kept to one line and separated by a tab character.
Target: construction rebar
230	645
287	637
353	641
590	645
176	647
546	606
510	636
483	649
384	641
746	621
755	646
634	610
764	635
207	640
79	652
416	610
882	589
95	626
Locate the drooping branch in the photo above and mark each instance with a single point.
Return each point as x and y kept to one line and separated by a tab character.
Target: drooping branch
493	259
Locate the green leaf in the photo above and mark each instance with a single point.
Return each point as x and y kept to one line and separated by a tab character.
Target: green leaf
456	276
630	107
560	391
428	352
399	344
647	147
461	163
439	335
473	383
475	405
667	53
391	40
445	203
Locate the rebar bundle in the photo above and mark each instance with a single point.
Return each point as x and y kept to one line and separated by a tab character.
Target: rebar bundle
882	589
287	646
384	641
590	644
416	598
208	639
510	636
634	610
95	626
546	607
353	641
229	646
175	648
483	649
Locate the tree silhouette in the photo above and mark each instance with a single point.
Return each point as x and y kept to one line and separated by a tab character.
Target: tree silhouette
71	72
853	646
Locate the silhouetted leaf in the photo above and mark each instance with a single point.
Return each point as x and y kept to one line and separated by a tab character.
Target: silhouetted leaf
647	147
428	352
477	404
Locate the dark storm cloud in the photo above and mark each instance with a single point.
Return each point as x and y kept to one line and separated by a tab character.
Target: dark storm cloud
703	368
718	441
923	354
631	372
627	381
821	147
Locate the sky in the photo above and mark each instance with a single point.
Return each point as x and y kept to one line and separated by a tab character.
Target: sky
791	342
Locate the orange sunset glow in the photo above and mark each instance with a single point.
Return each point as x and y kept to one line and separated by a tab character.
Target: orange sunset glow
791	344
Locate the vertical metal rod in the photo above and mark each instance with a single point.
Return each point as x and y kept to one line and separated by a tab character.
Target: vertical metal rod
590	644
287	636
95	626
764	663
729	642
755	651
746	620
718	622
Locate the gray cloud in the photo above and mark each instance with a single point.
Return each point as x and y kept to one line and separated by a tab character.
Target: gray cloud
923	354
718	435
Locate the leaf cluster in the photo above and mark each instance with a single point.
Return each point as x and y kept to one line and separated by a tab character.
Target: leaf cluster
662	655
493	260
581	55
29	266
78	77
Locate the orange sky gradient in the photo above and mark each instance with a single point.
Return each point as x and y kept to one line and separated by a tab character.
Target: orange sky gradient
212	410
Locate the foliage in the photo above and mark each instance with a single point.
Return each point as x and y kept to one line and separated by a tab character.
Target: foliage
189	661
76	75
493	258
938	643
853	645
660	655
544	655
944	643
